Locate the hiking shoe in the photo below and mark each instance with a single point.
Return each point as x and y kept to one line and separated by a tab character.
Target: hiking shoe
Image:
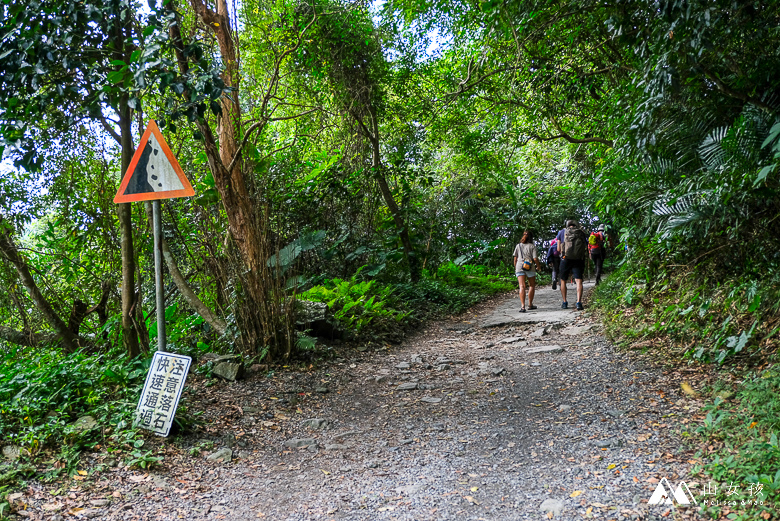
555	284
531	307
522	310
579	306
565	305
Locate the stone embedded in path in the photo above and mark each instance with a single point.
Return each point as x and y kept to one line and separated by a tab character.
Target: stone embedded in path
539	332
552	349
403	365
564	408
609	442
224	454
576	330
552	506
408	386
321	390
430	399
337	446
509	340
315	423
299	443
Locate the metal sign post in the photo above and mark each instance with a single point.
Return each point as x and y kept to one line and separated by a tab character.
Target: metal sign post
158	275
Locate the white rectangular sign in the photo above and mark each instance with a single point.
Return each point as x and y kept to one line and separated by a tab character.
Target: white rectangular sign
162	391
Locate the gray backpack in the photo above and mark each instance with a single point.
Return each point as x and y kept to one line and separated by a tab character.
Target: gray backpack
575	244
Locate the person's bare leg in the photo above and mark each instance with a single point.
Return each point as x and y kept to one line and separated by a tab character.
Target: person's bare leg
531	290
563	289
579	289
521	279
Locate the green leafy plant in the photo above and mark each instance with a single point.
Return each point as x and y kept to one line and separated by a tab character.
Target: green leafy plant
143	460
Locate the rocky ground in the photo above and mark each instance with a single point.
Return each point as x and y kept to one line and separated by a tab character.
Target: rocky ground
492	415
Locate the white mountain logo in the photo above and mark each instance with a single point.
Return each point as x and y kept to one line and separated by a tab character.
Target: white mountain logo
663	494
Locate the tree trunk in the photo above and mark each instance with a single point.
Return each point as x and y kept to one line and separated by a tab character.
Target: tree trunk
245	217
124	211
403	231
9	250
185	289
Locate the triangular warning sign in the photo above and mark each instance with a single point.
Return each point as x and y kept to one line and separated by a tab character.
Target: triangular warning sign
154	172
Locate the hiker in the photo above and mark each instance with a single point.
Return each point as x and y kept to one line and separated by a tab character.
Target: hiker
554	261
597	250
574	249
525	257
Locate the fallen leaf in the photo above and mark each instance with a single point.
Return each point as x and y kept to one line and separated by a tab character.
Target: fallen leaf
588	511
753	425
472	500
260	514
611	466
474	489
576	493
325	472
687	389
83	472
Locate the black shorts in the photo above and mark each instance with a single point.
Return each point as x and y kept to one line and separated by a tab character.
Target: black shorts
570	266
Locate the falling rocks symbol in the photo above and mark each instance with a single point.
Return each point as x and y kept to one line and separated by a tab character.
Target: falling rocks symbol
154	172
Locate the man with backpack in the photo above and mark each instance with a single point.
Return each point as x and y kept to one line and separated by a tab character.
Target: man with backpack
573	249
597	251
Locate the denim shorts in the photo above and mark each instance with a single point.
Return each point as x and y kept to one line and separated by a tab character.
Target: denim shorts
529	274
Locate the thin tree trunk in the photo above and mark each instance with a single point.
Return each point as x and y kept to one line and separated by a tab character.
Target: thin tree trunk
219	325
9	250
398	218
124	211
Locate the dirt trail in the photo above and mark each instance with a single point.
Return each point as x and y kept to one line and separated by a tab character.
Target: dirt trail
492	415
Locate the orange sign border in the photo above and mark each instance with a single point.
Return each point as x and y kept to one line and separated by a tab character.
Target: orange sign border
187	191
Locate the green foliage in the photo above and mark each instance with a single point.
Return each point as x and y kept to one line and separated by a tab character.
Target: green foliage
709	320
746	430
473	277
143	459
355	304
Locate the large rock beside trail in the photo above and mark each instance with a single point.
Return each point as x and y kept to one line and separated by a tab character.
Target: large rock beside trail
317	320
230	371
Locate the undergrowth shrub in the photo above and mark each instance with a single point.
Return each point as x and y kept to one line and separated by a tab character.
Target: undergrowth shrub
44	391
372	308
747	467
356	304
706	315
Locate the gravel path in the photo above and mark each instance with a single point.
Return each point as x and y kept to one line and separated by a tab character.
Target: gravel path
492	415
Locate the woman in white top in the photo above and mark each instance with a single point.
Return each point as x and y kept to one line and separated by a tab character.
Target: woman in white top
525	257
